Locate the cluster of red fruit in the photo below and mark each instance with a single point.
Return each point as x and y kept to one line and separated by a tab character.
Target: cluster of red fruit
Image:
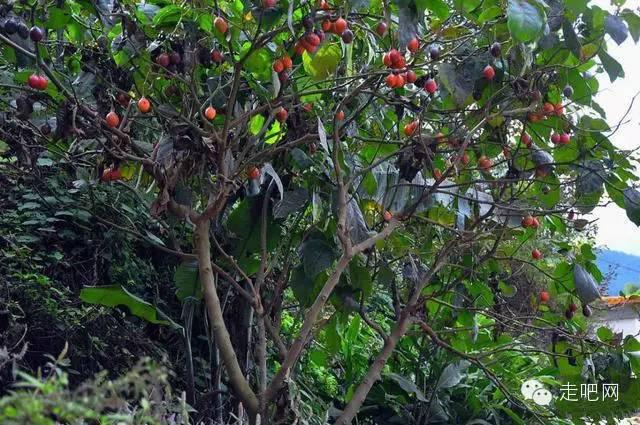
165	59
529	221
548	109
38	82
309	41
282	65
111	174
339	27
560	138
113	120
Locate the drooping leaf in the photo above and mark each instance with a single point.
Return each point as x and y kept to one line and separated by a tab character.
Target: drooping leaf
615	27
632	205
407	385
292	201
187	281
612	66
317	256
116	295
452	374
585	284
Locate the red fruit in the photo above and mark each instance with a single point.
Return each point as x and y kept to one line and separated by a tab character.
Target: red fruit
287	62
527	221
410	128
210	113
506	152
282	114
327	25
112	119
571	215
437	174
394	55
548	108
559	109
278	66
411	76
565	139
340	115
391	80
217	56
163	60
298	49
464	159
535	223
484	163
536	254
386	60
268	4
387	216
400	81
526	139
116	174
488	72
220	24
413	45
307	107
381	28
555	138
324	5
431	86
33	81
254	173
111	174
544	296
106	175
312	39
339	26
144	105
43	83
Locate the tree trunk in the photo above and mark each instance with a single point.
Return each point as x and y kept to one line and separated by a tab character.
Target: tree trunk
228	356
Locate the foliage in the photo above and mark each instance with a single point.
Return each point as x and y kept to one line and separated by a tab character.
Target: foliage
343	214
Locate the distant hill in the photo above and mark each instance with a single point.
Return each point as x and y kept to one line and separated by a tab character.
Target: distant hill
625	266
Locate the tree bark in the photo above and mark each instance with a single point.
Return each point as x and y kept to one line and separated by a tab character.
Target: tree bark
237	380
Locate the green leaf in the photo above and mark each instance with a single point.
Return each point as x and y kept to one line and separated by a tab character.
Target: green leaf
632	205
187	281
167	15
256	123
633	23
369	183
438	7
408	386
612	66
317	256
525	20
323	63
58	18
489	14
116	295
604	334
571	39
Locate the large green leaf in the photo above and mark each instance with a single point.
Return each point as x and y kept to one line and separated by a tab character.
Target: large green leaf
323	63
525	20
116	295
187	282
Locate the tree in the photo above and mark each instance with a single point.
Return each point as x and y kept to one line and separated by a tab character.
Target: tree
389	169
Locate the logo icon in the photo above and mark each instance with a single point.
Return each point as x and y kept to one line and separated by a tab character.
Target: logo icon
533	389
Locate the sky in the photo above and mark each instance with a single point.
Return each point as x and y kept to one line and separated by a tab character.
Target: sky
616	231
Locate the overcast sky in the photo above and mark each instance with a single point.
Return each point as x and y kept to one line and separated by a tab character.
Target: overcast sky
615	230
